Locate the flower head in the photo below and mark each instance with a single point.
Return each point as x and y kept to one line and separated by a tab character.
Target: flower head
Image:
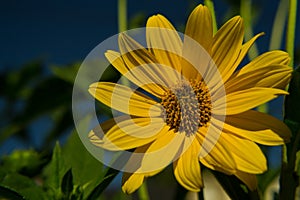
199	107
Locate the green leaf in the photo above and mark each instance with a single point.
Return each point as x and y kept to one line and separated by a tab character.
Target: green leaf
137	20
48	95
17	181
63	120
266	178
26	162
7	193
56	170
120	195
87	171
41	101
15	83
67	73
67	184
23	185
77	193
109	177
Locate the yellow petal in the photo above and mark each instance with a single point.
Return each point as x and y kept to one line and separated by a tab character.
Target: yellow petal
135	55
131	182
197	62
187	168
212	75
134	163
241	101
116	60
247	155
199	26
124	99
258	127
125	134
249	179
218	155
164	41
275	57
215	82
226	46
266	137
244	50
162	152
275	76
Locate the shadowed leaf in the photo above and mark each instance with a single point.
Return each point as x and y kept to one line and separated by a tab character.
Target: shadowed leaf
67	184
235	189
109	177
7	193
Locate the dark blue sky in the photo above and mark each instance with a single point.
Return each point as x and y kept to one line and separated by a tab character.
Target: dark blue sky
65	31
61	32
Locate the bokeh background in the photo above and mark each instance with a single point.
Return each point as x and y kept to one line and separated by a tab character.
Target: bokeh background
42	44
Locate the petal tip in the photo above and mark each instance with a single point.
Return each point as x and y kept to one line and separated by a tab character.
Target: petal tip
95	139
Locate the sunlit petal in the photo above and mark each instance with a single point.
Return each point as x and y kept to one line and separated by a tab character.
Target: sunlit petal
275	57
189	176
273	76
250	159
131	182
219	156
140	79
124	99
241	101
127	133
226	46
199	26
164	41
135	55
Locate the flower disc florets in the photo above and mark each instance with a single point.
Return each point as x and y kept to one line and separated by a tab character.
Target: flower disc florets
187	106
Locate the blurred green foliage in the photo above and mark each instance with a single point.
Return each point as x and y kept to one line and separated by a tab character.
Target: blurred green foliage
31	93
70	173
67	172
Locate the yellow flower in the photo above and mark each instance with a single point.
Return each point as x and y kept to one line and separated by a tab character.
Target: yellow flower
194	113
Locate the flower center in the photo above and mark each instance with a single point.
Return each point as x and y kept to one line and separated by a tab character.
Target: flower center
187	106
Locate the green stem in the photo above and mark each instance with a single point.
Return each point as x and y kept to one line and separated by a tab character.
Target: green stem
288	180
201	195
122	15
278	25
122	26
246	10
211	7
291	29
143	192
